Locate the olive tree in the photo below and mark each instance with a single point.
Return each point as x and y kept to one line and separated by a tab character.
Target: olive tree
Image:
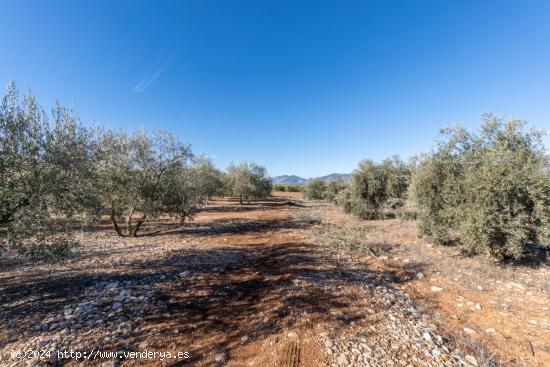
437	191
489	191
374	187
239	180
23	126
145	175
314	189
248	181
398	177
369	190
209	180
46	172
345	200
261	183
332	190
506	191
279	187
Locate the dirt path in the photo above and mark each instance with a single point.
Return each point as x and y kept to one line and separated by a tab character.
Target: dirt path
239	286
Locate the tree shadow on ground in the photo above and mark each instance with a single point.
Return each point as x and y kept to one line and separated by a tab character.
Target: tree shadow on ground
253	206
534	255
229	226
253	291
213	296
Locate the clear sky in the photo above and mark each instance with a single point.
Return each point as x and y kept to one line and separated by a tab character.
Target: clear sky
302	87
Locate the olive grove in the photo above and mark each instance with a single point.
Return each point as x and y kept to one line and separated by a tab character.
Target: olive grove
57	174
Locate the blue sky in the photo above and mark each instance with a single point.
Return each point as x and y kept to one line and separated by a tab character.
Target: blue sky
302	87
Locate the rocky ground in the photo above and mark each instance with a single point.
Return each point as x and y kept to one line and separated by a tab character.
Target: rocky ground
240	286
503	307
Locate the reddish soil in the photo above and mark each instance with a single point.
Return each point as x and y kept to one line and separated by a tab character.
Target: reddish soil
242	281
506	305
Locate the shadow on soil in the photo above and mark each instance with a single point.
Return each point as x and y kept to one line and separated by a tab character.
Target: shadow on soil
213	297
253	292
223	227
253	206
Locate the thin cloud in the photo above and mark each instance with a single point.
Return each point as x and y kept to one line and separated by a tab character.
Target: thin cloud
149	78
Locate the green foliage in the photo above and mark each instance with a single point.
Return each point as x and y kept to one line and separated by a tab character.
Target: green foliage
369	190
374	187
294	188
437	190
344	200
146	174
287	188
489	191
209	180
332	190
314	189
261	183
55	171
398	176
408	211
249	181
279	187
46	169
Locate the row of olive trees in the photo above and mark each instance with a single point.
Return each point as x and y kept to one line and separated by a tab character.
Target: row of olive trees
488	191
288	188
373	188
54	172
319	189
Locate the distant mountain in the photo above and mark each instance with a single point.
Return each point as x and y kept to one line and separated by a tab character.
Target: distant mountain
288	180
297	180
337	177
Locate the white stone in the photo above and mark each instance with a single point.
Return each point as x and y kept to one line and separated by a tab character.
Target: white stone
220	357
471	359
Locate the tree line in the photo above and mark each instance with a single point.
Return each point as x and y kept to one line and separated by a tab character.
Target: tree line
56	173
487	190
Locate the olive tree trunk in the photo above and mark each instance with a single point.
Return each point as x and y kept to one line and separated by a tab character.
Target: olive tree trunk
115	224
138	225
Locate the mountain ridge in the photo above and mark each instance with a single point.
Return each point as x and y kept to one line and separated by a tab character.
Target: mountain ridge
297	180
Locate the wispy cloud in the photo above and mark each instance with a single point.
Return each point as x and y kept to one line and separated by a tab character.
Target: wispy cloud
156	70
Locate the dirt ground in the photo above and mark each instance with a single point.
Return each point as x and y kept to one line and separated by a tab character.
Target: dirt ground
504	307
246	286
